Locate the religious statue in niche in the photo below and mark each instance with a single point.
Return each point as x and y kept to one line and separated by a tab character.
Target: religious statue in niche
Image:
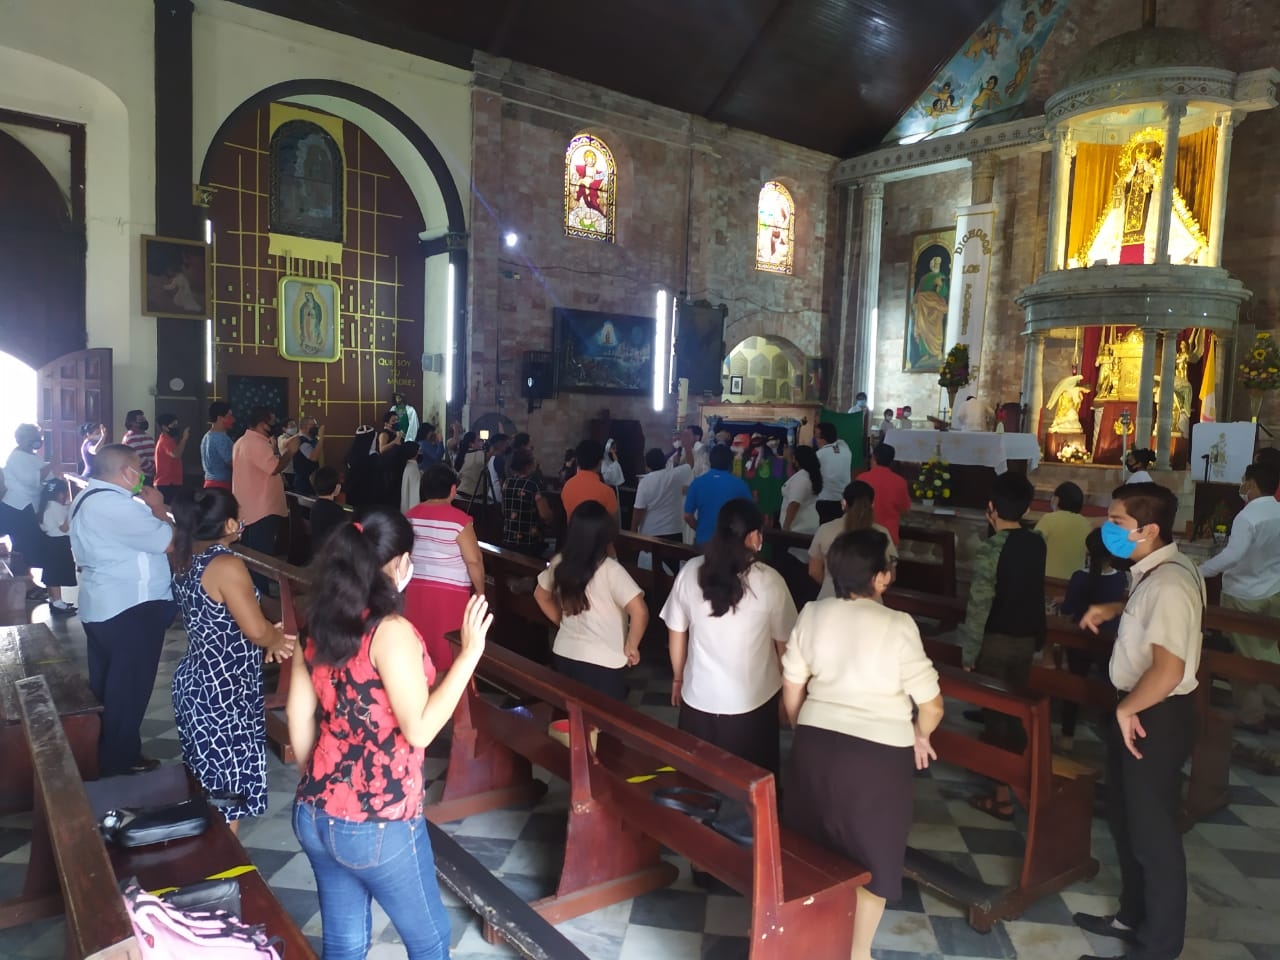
306	182
1064	401
927	304
1127	229
589	189
308	320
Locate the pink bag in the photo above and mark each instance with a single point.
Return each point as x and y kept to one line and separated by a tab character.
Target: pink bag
166	933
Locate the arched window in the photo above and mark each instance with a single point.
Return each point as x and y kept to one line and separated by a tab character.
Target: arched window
775	229
589	189
306	182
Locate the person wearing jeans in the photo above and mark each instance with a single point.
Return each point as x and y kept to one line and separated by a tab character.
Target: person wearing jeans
390	861
361	712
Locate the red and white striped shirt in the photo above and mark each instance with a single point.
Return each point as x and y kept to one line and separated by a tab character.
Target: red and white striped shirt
436	556
144	445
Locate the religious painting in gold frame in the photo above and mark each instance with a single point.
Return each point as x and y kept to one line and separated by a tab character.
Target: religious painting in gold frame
308	320
175	278
590	189
928	295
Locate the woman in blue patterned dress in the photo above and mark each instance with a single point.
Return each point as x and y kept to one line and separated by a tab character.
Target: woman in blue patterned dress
217	688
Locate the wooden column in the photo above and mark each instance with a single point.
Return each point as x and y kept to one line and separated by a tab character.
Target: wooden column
179	341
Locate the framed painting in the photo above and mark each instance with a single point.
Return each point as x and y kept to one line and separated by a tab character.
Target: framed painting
735	386
308	320
928	293
175	278
603	352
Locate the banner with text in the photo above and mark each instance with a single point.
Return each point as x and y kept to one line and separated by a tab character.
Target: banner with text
970	271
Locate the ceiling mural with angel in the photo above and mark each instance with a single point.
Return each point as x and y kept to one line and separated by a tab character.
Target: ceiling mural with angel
989	76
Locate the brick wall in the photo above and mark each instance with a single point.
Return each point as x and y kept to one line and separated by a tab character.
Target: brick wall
686	206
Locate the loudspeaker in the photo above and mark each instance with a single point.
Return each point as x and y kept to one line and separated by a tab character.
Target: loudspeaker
699	345
536	380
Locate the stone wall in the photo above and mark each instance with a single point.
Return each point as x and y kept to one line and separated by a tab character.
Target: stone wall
686	207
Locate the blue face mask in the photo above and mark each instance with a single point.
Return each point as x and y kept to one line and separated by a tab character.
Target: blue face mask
1116	539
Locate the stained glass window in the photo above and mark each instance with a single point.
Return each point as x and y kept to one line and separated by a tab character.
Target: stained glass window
775	229
589	188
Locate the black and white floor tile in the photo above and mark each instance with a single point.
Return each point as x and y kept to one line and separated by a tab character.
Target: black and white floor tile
1233	860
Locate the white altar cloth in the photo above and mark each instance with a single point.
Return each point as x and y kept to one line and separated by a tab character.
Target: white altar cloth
993	450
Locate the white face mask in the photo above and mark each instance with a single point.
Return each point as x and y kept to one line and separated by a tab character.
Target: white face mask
290	431
403	583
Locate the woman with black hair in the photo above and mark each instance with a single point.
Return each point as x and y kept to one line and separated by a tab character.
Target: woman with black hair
24	472
217	687
857	502
728	618
1137	462
360	481
853	673
361	713
1099	582
800	493
597	606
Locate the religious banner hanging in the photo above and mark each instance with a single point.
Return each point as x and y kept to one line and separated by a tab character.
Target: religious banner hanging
927	299
970	275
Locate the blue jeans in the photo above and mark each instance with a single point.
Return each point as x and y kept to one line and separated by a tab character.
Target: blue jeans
386	860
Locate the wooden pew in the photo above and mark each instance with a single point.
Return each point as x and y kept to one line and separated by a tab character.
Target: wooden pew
802	896
13	596
1059	808
936	578
72	872
1208	787
291	581
28	650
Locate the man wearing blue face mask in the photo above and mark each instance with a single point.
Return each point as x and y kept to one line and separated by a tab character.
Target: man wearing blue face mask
120	534
1153	668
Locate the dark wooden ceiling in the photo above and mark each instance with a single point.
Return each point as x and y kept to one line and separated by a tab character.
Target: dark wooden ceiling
832	75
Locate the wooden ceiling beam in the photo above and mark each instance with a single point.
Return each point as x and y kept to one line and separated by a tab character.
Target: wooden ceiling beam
502	32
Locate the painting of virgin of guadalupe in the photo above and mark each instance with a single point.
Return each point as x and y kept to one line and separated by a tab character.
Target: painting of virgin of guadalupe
308	320
927	299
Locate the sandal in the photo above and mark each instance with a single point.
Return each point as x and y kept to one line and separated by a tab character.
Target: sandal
988	804
1255	759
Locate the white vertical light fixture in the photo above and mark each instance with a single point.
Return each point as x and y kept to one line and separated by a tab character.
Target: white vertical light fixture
448	337
208	230
660	319
208	349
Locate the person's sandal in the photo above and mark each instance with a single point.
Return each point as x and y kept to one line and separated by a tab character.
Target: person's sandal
988	804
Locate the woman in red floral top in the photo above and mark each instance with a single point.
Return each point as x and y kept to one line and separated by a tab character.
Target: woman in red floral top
359	719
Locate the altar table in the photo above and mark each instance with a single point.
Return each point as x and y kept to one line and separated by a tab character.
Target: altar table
993	450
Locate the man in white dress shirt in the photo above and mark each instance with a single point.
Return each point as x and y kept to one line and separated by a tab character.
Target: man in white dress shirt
1250	568
1153	668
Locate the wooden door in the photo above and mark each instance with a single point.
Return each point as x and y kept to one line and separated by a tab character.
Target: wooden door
74	389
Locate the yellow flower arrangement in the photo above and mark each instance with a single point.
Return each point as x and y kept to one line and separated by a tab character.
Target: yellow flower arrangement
933	482
1261	371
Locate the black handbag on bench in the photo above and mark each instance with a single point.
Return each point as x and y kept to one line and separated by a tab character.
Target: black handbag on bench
727	817
140	826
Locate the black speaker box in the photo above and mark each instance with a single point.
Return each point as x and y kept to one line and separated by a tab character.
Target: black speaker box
699	345
536	375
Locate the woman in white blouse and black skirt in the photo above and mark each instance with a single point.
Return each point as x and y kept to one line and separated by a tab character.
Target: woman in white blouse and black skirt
852	673
728	618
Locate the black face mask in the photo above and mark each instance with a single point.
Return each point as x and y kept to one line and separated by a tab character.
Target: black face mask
172	429
313	432
142	426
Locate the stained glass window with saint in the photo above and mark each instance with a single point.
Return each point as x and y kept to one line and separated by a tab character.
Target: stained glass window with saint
589	189
775	229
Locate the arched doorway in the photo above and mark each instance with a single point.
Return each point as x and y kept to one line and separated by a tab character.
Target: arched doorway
764	369
17	399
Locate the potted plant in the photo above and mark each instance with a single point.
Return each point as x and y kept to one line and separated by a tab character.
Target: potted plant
955	372
933	482
1260	371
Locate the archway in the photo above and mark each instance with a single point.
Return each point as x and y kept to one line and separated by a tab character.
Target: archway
764	369
17	398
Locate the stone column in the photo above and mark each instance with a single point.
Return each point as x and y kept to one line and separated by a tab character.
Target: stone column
1035	382
982	178
864	366
1059	192
1164	427
1174	111
1146	387
845	367
1222	162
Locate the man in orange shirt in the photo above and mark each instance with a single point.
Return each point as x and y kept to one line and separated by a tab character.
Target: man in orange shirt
586	483
256	465
893	500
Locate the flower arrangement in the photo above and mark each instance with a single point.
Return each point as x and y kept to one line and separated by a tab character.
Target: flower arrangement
1261	367
933	482
1073	452
955	369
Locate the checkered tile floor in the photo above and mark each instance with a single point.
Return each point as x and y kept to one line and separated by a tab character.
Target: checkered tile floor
1233	860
